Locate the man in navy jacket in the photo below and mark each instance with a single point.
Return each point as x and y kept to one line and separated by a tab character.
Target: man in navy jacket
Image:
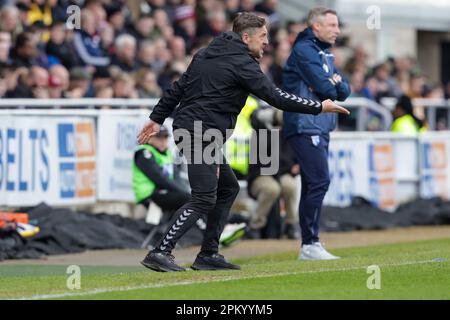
310	72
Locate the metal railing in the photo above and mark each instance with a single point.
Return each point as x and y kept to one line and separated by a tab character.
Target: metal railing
362	106
434	108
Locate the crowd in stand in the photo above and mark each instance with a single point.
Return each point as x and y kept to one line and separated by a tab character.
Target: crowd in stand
137	48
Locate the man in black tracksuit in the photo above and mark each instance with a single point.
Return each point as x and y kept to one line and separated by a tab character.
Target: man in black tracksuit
213	90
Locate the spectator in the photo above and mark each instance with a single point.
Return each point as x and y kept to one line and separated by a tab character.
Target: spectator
26	52
267	190
214	25
146	55
107	38
3	82
40	11
404	119
294	28
178	49
171	73
58	81
99	13
162	56
387	85
101	80
116	17
185	25
153	175
232	8
269	8
10	21
32	84
147	84
80	80
125	53
59	48
144	28
87	42
361	87
416	86
282	51
5	47
247	5
123	86
162	24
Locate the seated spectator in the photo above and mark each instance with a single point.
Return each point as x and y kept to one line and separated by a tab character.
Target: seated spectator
58	81
153	176
387	85
3	82
162	55
146	55
116	17
40	11
87	42
147	84
269	7
247	5
123	86
97	9
171	73
404	119
162	24
214	25
80	80
5	47
267	190
106	34
31	83
101	80
186	25
178	49
25	53
231	9
59	47
143	29
10	21
125	53
282	52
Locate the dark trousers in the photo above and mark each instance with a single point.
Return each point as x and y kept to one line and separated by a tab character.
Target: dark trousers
214	188
312	155
170	201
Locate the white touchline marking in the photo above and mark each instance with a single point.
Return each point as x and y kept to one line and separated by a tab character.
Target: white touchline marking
224	279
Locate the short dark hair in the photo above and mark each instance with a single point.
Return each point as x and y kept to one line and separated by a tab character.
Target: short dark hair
247	22
317	12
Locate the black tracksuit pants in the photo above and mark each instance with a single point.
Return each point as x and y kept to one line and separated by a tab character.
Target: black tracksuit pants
214	188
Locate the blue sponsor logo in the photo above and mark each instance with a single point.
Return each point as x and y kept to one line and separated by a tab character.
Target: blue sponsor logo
67	179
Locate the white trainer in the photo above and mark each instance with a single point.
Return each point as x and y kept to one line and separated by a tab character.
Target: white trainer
232	233
315	251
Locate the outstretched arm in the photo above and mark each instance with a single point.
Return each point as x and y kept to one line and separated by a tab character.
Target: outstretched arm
254	80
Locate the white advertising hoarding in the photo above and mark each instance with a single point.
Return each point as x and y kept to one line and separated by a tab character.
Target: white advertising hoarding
47	159
434	170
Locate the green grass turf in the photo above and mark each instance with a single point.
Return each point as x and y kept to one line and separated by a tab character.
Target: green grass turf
419	270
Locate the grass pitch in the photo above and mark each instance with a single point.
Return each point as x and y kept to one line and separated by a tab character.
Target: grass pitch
419	270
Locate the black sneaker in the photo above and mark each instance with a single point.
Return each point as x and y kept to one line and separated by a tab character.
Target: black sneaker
292	231
214	261
161	262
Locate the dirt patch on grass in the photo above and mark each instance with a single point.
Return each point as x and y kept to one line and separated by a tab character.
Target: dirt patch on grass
248	248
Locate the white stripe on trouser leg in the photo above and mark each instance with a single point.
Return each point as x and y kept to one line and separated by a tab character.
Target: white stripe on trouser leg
175	227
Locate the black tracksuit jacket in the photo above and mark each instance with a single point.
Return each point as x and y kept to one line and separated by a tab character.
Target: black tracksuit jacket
216	85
